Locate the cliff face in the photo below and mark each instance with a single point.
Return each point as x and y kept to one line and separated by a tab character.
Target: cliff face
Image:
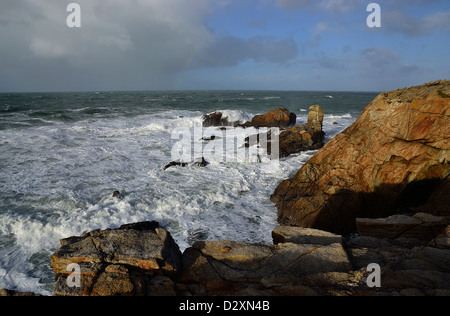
394	157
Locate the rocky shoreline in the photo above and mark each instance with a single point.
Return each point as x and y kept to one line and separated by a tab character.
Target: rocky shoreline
143	259
367	215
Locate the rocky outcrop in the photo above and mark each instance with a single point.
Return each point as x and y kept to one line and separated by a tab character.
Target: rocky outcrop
280	118
395	157
304	137
236	268
300	138
218	119
136	259
142	259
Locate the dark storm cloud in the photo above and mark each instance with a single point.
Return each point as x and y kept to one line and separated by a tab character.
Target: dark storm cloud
230	51
138	45
384	63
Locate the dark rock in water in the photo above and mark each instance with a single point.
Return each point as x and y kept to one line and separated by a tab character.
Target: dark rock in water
175	164
142	226
217	119
197	163
300	138
209	138
394	158
117	195
200	163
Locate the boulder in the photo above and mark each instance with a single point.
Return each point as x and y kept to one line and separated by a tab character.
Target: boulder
300	138
136	259
309	136
217	119
443	240
392	159
280	118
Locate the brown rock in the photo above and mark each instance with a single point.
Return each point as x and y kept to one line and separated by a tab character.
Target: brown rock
315	117
257	268
122	262
217	119
11	293
296	139
300	138
420	226
300	235
280	117
391	159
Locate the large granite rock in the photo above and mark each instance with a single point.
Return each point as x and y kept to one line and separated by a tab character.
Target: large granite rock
236	268
304	137
394	157
136	259
280	118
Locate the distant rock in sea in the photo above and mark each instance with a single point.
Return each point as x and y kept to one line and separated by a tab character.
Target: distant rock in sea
217	119
394	158
309	136
304	137
280	118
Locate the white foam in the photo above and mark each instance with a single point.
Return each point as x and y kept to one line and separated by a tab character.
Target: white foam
236	116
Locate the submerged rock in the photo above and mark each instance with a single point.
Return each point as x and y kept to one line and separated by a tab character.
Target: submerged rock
117	195
392	158
201	163
217	119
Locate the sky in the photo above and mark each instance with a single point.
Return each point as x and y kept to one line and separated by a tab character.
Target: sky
222	45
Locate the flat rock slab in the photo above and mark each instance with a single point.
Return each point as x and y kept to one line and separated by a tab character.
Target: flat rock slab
219	265
300	235
420	226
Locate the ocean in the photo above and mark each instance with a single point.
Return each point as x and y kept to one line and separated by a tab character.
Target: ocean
62	155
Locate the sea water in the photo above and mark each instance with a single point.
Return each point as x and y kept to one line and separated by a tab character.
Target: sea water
62	155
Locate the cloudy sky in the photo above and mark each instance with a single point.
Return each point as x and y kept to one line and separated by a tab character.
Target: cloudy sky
222	44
